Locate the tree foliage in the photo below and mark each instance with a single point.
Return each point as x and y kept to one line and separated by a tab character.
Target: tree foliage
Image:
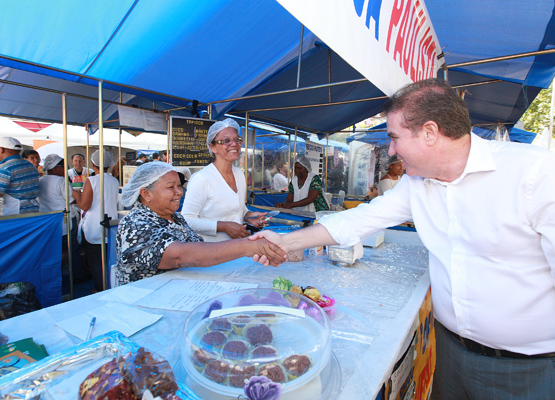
536	118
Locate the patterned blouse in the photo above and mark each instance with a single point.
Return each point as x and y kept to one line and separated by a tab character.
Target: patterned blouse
320	204
142	238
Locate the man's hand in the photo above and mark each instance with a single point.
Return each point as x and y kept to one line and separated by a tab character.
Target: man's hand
266	252
233	229
274	238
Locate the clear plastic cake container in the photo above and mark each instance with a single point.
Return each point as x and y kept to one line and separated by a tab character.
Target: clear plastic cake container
259	332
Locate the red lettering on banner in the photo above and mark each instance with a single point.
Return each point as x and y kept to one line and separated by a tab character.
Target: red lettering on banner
414	54
394	21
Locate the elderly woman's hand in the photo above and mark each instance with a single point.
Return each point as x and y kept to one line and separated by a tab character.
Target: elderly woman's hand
233	229
267	253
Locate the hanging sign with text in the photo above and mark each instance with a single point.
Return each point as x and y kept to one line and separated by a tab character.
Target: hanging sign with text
188	142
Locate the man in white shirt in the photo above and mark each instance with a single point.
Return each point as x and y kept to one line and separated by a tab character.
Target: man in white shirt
486	212
52	197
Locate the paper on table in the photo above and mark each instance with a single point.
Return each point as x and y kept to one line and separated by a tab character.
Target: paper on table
127	294
110	317
185	295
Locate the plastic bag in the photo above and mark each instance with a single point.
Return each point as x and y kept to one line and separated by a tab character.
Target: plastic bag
17	298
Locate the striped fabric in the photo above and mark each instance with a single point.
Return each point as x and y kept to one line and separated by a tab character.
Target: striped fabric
20	179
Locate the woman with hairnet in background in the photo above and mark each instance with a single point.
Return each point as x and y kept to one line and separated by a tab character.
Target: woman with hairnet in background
214	205
305	189
89	201
394	174
154	238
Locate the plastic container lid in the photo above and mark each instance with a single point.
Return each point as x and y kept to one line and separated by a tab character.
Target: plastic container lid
281	335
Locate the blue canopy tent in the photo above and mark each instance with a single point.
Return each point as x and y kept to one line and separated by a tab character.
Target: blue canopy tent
220	50
377	135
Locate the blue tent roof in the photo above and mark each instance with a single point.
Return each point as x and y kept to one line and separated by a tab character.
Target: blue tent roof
175	52
378	135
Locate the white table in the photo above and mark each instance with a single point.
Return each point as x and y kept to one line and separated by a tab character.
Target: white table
378	301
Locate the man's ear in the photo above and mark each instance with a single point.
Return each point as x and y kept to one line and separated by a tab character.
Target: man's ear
431	132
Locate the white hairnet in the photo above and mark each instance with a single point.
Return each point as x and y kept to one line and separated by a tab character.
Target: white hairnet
219	126
305	162
393	159
108	159
143	176
51	161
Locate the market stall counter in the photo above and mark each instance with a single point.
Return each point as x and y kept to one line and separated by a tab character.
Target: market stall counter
381	326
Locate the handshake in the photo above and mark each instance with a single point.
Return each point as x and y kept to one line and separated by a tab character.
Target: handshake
271	248
268	248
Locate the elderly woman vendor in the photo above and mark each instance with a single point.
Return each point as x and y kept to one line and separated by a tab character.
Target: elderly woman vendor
153	238
305	189
214	204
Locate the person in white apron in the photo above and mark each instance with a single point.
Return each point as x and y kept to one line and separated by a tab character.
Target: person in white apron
305	189
19	180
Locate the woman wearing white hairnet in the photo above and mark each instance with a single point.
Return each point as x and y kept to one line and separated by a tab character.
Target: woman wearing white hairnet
89	202
394	173
305	189
154	238
214	205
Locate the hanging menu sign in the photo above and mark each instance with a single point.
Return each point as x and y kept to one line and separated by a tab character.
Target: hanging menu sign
188	142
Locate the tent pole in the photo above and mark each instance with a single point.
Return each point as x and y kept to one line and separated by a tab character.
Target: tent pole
295	152
120	167
87	151
502	58
300	57
289	157
246	154
253	158
327	154
67	214
168	121
551	116
101	166
329	75
209	110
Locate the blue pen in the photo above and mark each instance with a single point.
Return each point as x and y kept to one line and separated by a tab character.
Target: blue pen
91	327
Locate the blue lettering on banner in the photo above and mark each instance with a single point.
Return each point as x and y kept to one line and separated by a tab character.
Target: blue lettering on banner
373	10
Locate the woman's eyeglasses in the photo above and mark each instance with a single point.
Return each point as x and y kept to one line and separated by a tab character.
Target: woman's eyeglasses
228	141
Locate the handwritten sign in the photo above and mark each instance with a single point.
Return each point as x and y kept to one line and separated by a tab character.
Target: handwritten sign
188	142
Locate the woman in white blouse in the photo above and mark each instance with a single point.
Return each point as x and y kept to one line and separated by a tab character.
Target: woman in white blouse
214	205
394	174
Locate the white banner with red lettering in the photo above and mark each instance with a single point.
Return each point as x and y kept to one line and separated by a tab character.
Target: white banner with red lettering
390	42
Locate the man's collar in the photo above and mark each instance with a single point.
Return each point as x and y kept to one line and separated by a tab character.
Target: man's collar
479	160
10	158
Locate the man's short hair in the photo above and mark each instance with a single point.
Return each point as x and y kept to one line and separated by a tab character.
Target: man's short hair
27	153
78	154
155	156
141	156
431	100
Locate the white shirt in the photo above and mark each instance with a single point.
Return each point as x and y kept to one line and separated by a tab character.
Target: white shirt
52	196
280	182
491	237
301	193
209	199
387	184
91	219
73	173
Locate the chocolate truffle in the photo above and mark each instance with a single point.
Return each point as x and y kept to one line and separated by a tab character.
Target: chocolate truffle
238	374
213	340
264	354
235	350
259	335
201	358
216	371
296	365
273	372
239	323
220	325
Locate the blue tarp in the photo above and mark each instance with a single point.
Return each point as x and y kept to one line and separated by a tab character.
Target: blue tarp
221	49
31	249
377	135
